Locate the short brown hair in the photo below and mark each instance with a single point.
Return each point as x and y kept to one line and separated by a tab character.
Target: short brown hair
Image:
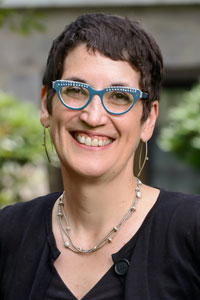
118	38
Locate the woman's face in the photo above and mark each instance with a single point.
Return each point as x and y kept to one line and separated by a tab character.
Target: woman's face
110	140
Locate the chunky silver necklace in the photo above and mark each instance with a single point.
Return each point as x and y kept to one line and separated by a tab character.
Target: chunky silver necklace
65	228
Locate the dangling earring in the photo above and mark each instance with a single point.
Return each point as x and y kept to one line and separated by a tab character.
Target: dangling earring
141	165
45	145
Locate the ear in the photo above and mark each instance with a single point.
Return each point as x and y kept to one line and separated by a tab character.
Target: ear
44	115
149	125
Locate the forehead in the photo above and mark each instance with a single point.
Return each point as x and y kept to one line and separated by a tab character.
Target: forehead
88	65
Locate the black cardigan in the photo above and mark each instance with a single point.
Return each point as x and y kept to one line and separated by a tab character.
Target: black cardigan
165	262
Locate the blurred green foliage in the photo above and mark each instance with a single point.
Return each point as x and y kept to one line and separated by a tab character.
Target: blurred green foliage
182	134
20	131
21	151
20	145
23	21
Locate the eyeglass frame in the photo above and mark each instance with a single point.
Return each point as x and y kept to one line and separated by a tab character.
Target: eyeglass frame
136	93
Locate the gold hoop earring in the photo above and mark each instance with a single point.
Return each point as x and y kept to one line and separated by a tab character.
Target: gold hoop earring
45	145
141	165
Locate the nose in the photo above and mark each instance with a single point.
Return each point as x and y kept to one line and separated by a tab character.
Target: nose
94	113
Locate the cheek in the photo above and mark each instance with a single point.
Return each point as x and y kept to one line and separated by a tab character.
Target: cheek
56	124
131	123
60	123
59	114
131	132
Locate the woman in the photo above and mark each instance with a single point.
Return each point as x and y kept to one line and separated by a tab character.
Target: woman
107	236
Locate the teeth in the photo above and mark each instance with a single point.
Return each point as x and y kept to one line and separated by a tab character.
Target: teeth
88	141
82	139
92	142
95	143
106	142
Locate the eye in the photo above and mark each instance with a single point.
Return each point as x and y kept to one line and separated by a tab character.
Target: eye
121	97
73	91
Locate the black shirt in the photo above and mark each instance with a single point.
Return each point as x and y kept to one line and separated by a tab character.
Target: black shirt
109	287
164	261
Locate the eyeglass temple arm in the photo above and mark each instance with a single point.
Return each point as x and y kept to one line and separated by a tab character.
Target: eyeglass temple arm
144	95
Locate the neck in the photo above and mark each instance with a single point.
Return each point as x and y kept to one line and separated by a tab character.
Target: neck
97	205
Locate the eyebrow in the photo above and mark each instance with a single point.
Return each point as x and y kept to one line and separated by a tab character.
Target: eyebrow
75	79
83	81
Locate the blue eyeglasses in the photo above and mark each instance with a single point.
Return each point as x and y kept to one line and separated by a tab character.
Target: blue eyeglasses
116	100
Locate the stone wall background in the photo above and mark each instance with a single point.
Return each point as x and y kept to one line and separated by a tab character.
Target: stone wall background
22	59
175	27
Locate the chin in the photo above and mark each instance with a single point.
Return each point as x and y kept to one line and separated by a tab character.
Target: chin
88	170
92	172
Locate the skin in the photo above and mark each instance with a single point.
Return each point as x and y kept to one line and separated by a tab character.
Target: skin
98	181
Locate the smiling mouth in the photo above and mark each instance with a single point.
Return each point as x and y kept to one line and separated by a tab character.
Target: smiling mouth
95	141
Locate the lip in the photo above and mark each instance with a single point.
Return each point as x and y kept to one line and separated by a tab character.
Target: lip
92	134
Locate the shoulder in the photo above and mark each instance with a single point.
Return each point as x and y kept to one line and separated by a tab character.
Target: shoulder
178	195
177	207
17	217
177	216
31	206
174	201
